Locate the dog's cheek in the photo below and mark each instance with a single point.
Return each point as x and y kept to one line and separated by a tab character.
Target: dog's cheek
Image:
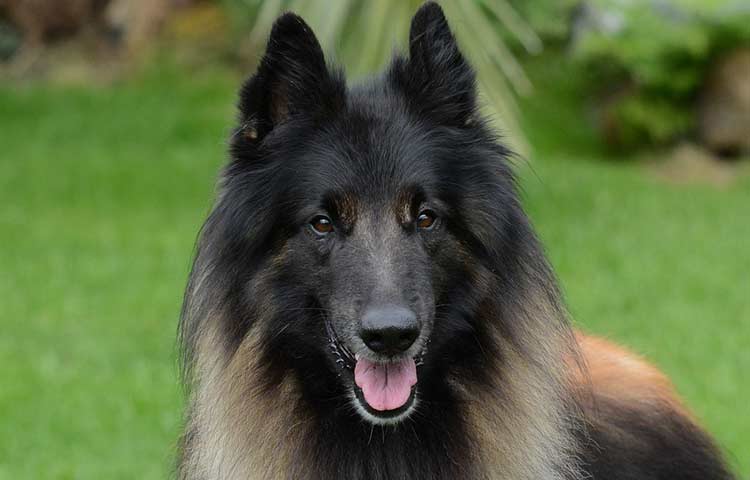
446	266
308	268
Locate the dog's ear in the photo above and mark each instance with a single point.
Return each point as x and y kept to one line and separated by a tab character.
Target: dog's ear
436	77
292	79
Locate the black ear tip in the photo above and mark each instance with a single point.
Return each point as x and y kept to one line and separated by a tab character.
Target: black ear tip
428	13
431	9
291	25
429	24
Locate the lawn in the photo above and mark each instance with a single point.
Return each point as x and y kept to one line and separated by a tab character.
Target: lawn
102	192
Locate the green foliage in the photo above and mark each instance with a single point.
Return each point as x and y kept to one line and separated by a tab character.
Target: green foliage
660	52
548	18
654	119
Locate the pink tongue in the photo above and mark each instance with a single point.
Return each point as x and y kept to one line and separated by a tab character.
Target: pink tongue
385	386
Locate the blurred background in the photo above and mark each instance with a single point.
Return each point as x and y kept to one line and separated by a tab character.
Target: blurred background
631	117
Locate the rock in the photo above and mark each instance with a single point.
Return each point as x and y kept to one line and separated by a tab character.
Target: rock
724	110
690	164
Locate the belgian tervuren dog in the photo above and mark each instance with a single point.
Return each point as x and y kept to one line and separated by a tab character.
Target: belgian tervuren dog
369	301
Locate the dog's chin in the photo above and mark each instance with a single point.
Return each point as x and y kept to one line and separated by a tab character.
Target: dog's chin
383	417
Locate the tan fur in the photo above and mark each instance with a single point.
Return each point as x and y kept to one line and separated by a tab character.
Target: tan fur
522	422
618	374
241	431
522	436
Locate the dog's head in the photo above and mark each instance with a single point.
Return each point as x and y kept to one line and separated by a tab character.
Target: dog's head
367	225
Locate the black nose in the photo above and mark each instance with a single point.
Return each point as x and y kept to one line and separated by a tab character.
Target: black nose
389	329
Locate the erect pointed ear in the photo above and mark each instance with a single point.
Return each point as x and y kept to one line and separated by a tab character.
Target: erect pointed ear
436	77
292	79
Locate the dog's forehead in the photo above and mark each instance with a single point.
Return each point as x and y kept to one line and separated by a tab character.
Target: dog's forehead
373	155
378	143
371	165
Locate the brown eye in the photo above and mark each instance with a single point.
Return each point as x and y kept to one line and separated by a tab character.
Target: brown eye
426	219
322	225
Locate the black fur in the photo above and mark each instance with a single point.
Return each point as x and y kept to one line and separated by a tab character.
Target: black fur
412	137
631	443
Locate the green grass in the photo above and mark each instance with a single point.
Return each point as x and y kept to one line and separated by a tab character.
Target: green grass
102	192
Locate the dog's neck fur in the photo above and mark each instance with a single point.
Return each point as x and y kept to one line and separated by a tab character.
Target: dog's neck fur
519	428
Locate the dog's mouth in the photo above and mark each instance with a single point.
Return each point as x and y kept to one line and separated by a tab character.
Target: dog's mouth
386	387
383	392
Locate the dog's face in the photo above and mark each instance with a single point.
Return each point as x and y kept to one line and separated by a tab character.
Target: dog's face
380	204
370	233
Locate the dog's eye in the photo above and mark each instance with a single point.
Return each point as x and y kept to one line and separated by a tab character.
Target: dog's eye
426	219
322	225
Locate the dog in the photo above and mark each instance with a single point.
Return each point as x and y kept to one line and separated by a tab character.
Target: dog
369	301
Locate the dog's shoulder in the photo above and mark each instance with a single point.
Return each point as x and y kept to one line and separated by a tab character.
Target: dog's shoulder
636	426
